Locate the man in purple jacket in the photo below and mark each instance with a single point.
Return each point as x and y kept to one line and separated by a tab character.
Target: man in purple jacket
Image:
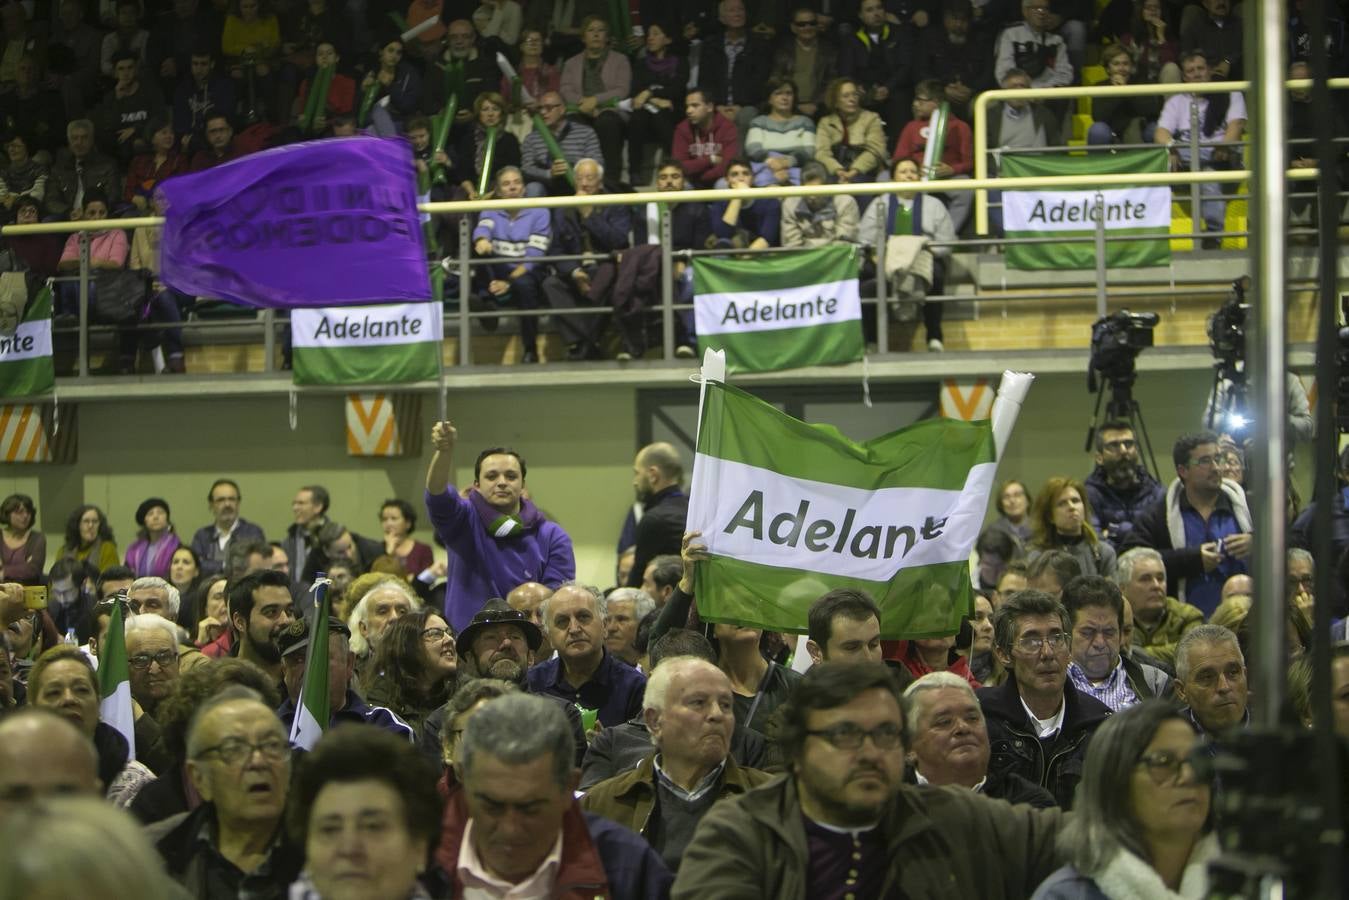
496	539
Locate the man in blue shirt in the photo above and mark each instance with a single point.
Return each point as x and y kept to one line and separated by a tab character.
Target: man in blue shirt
583	672
1201	527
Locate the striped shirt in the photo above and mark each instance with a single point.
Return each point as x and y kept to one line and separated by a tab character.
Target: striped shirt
1115	692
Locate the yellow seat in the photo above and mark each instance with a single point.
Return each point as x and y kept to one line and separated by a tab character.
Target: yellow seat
1236	219
1181	224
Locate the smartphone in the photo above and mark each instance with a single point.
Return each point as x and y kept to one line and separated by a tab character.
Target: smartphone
35	597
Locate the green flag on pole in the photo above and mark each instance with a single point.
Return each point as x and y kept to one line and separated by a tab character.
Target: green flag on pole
26	355
311	708
114	681
1056	212
790	511
392	343
782	311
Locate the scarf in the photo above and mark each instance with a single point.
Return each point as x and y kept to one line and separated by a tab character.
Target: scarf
502	525
1126	877
905	221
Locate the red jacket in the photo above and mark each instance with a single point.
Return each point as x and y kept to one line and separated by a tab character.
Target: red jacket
958	151
692	149
906	653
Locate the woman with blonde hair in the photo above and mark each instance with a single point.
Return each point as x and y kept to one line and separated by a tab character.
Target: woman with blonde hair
1060	520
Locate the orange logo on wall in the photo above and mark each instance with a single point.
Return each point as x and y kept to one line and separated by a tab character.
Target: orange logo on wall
22	436
967	401
372	428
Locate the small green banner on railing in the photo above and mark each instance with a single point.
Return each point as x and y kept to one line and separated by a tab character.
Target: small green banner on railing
1050	212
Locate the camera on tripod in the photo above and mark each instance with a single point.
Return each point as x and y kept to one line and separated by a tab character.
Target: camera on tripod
1227	326
1116	340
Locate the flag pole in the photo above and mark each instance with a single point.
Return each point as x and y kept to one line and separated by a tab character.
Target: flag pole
312	704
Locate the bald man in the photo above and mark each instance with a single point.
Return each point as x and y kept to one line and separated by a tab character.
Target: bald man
44	755
528	598
656	476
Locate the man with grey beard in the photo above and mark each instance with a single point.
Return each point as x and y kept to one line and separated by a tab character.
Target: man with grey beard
500	642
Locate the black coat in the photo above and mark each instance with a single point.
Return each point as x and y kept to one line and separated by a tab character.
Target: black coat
747	82
887	62
1054	764
660	530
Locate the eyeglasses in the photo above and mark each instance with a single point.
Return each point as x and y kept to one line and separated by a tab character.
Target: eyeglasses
849	737
165	658
431	635
1205	462
1032	644
236	751
1164	767
550	106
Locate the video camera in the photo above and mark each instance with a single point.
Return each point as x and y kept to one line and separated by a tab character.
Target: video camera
1116	340
1227	326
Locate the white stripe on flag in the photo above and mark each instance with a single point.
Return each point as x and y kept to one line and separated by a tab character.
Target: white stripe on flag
367	326
31	340
799	307
117	711
504	528
305	731
754	514
1140	207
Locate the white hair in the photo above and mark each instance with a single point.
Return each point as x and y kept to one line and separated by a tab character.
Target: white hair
658	682
1124	566
1207	634
149	622
594	162
360	613
643	604
932	681
172	600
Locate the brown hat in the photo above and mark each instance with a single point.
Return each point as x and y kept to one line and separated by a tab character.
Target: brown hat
497	612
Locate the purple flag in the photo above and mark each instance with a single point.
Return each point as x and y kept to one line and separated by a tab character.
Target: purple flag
324	223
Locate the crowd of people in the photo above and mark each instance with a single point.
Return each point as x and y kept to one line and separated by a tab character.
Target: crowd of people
99	103
500	729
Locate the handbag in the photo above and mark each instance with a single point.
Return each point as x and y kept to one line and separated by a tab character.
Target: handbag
118	296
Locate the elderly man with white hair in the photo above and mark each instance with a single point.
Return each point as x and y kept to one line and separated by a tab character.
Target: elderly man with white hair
153	596
690	712
153	661
948	742
378	607
624	609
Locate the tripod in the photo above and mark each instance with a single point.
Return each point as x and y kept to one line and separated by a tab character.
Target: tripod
1230	404
1122	407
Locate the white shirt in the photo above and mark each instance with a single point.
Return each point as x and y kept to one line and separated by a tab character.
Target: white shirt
1046	728
223	537
480	884
978	788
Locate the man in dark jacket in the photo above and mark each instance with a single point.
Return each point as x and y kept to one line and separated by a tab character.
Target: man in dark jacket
78	170
733	66
1119	488
1038	723
233	845
948	739
845	815
879	57
960	57
690	714
516	755
656	475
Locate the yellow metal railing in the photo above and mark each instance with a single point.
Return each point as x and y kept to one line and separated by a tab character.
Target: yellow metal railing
982	183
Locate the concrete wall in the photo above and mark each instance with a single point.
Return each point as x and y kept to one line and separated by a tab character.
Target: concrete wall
579	444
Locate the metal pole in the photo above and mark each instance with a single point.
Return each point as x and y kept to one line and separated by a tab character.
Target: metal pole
1100	255
84	304
1196	207
1265	356
882	289
465	286
269	340
667	313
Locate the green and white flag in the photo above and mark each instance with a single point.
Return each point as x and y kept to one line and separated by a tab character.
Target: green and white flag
311	707
1069	213
26	355
114	681
780	311
789	511
391	343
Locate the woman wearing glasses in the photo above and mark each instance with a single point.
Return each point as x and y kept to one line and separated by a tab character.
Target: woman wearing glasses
1144	820
415	666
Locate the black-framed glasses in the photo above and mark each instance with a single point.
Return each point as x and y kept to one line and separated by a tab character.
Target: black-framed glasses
236	751
165	658
1033	643
1205	462
432	635
1165	767
848	736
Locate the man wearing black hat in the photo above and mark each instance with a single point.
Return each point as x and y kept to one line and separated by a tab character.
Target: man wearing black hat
499	643
344	704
